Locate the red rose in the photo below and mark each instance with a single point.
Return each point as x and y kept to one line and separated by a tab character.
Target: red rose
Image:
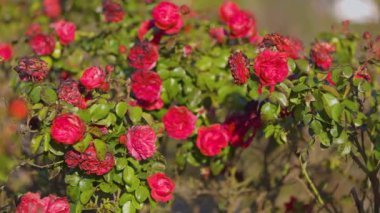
141	142
32	69
363	74
67	129
72	158
143	56
149	106
42	44
242	25
93	77
113	12
291	46
58	204
145	26
92	165
33	30
52	8
218	34
321	54
65	31
68	91
212	139
239	65
167	17
6	52
146	85
271	68
329	79
228	10
179	122
31	202
161	187
18	108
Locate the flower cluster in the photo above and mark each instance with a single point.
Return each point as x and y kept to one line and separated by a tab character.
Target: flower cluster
32	202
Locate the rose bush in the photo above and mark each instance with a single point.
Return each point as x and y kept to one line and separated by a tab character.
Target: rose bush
123	111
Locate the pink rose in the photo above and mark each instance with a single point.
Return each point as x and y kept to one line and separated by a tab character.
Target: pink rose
68	91
65	31
239	65
212	139
72	158
228	10
58	204
179	122
141	142
161	186
92	78
113	12
6	52
52	8
146	85
31	202
67	129
143	56
91	164
42	44
242	25
167	17
321	54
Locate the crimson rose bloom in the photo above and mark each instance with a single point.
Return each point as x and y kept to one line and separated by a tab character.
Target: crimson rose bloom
218	34
242	25
146	85
271	68
179	122
67	129
18	108
72	158
291	46
93	77
65	31
161	187
239	65
42	44
52	8
58	204
141	142
68	91
6	52
167	17
31	202
143	56
149	106
92	165
33	30
212	139
228	10
32	69
113	12
321	54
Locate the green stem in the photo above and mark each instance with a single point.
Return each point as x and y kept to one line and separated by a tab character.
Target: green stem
310	182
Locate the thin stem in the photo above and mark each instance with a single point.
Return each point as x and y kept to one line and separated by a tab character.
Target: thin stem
310	182
42	166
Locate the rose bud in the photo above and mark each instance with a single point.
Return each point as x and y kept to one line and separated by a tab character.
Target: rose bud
112	11
271	68
110	68
141	142
65	31
167	17
212	139
239	65
146	85
122	49
161	187
228	10
67	129
92	78
6	52
68	91
179	122
32	69
42	44
320	54
52	8
123	139
143	56
18	108
92	165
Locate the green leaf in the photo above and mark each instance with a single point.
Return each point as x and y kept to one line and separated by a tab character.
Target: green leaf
269	112
121	163
48	95
121	109
35	94
128	207
279	98
72	180
125	198
135	114
101	149
35	143
99	111
82	145
128	175
141	193
85	196
85	184
216	167
204	63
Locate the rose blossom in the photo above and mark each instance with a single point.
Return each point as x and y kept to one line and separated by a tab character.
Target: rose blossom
271	68
32	69
242	25
6	52
167	17
149	106
92	78
228	10
72	158
58	204
179	122
239	65
52	8
291	46
18	108
113	12
218	34
141	142
320	54
65	31
91	164
33	29
32	203
68	91
146	85
42	44
161	187
67	129
143	56
212	139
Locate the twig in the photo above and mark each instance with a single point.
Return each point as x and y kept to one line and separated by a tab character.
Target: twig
358	204
310	182
42	166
